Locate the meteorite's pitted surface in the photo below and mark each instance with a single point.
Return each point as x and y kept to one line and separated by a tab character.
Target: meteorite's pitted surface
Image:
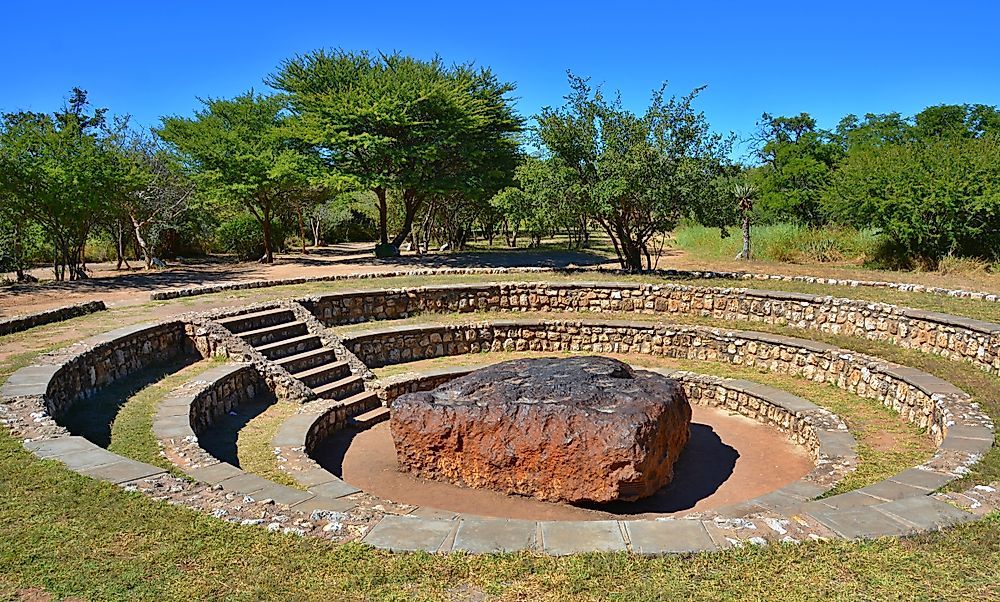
572	430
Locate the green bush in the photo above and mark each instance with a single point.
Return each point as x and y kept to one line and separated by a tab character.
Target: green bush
931	199
242	236
22	247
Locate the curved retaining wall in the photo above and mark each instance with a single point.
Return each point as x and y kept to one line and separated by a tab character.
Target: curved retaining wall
954	337
953	420
428	528
667	274
898	505
19	323
190	410
79	371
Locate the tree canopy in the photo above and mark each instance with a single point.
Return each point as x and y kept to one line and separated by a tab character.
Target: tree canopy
237	152
57	171
637	175
393	122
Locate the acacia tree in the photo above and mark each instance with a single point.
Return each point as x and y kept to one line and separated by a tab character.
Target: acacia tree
542	202
58	171
157	194
395	123
797	161
236	151
639	175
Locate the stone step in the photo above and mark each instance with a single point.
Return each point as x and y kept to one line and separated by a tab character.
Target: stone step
361	403
292	346
371	418
273	334
308	359
342	388
323	374
257	320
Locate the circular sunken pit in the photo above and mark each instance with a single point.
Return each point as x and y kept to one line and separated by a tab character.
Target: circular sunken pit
286	347
728	459
579	429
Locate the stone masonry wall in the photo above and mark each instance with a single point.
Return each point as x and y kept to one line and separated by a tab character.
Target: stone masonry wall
951	336
917	396
222	395
85	367
19	323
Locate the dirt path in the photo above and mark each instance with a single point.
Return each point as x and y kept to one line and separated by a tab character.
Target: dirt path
117	289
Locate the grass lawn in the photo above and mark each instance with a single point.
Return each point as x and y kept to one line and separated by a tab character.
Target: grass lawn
70	535
74	536
254	447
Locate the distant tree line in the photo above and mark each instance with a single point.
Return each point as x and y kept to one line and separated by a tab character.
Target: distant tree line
930	183
418	153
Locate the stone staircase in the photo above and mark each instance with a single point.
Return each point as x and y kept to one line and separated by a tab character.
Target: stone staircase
281	338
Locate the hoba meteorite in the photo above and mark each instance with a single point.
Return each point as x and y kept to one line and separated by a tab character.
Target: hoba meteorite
582	429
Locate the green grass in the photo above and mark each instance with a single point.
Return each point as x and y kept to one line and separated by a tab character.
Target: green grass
782	243
243	437
74	536
132	430
254	447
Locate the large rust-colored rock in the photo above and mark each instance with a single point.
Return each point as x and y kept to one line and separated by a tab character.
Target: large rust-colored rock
586	429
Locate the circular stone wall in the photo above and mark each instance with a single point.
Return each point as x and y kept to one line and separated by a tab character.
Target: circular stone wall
729	459
902	504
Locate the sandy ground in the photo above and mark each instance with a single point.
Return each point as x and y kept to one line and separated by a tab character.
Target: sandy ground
131	288
729	459
118	289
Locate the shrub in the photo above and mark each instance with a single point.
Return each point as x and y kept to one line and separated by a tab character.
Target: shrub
931	199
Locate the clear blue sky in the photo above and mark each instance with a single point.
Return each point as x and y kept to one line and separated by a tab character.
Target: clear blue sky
150	59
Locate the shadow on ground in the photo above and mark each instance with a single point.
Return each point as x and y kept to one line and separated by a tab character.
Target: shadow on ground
705	464
93	417
221	439
477	259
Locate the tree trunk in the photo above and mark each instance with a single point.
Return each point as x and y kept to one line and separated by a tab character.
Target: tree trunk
18	252
411	204
426	245
631	251
745	253
383	216
424	232
57	261
265	224
141	241
315	224
119	244
302	231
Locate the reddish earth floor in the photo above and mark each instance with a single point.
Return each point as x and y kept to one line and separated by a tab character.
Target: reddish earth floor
129	288
729	459
123	288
